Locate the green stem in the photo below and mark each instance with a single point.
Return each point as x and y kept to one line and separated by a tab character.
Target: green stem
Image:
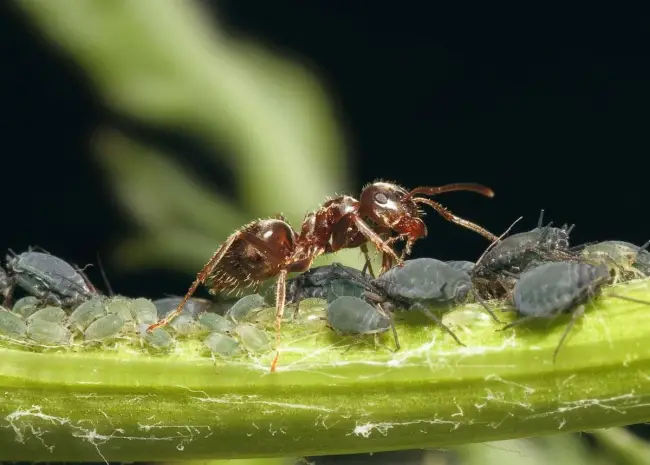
332	395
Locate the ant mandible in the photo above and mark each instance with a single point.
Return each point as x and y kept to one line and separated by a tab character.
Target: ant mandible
270	247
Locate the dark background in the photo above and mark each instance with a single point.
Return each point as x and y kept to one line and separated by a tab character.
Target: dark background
549	108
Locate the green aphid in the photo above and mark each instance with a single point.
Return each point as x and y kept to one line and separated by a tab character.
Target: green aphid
11	325
244	307
185	325
220	344
252	338
158	338
120	306
86	313
26	306
143	311
52	314
104	328
48	332
214	322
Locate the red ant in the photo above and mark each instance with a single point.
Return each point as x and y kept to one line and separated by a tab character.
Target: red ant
270	247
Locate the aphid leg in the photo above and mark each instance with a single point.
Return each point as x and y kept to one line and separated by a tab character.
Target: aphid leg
377	241
102	270
518	322
577	313
389	314
629	299
280	298
446	214
368	265
8	293
428	313
480	300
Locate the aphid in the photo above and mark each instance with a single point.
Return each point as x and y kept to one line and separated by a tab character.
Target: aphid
245	306
269	248
5	285
642	259
51	314
11	325
158	339
519	251
623	258
214	322
87	312
559	287
315	283
348	315
193	306
143	311
252	339
48	332
221	344
49	278
423	282
104	328
25	306
462	265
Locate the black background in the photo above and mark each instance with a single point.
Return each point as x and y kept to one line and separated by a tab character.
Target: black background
549	108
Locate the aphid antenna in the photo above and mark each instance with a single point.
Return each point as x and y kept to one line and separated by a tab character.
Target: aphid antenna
102	270
497	240
37	248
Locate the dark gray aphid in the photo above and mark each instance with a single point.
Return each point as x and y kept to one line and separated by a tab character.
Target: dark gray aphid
349	315
520	251
49	278
418	284
462	265
315	282
193	307
423	282
5	285
559	287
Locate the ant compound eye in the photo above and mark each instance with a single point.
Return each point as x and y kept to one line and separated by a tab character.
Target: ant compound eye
381	198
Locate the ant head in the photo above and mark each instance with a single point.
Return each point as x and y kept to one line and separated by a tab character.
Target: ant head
390	206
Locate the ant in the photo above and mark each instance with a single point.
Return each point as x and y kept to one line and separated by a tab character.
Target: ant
266	248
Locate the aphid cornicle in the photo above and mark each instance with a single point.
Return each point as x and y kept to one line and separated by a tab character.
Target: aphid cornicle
559	287
49	278
269	248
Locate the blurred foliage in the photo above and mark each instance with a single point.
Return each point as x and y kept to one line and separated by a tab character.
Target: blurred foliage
165	63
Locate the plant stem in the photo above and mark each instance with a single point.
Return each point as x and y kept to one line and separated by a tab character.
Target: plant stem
332	395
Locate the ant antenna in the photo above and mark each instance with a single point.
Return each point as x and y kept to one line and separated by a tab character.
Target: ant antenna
104	277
